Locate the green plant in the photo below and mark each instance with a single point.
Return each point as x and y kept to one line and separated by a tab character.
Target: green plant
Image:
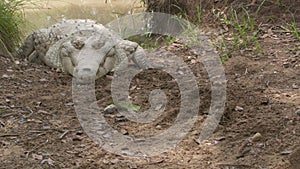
151	41
223	49
128	107
259	7
292	28
4	110
199	13
244	31
11	17
241	31
224	58
295	29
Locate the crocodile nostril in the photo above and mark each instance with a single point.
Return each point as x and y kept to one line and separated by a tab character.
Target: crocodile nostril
87	69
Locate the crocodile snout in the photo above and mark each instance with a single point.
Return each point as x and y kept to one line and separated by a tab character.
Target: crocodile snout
85	75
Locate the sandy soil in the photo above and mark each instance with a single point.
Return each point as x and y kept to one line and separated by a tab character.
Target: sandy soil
39	127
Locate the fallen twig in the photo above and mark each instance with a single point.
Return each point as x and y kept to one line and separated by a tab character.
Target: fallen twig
64	134
9	135
29	115
9	114
36	147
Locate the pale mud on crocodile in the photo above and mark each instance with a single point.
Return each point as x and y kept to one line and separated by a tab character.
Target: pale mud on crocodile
82	48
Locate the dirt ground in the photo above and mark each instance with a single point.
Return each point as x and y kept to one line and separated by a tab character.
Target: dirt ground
39	127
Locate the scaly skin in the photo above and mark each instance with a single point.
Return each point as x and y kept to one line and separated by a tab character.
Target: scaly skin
37	44
82	47
91	54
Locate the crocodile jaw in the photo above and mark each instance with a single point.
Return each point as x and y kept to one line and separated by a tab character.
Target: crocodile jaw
93	58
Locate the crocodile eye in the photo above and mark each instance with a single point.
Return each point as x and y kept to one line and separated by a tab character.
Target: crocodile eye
78	44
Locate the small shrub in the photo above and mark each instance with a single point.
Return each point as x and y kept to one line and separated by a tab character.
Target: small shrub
11	17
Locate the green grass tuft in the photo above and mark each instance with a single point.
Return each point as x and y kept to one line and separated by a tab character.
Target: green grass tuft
11	17
295	29
241	32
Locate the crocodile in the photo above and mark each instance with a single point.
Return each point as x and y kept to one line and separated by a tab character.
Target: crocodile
37	43
79	46
88	53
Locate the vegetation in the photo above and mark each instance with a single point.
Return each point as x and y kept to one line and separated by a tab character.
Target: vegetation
241	32
11	17
238	21
150	41
240	28
295	29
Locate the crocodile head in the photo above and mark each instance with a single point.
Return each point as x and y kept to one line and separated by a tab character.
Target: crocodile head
88	54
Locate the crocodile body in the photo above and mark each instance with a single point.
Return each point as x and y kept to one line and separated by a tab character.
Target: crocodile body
83	46
37	44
